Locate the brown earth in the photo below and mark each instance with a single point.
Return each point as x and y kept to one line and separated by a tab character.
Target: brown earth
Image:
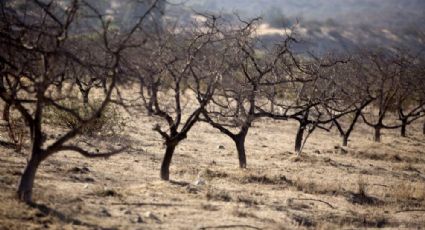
366	185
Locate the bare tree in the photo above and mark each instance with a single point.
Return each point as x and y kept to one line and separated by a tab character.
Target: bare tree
186	59
382	77
247	85
352	95
39	44
308	94
410	100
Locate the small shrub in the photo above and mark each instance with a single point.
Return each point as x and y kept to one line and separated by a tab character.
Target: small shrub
108	122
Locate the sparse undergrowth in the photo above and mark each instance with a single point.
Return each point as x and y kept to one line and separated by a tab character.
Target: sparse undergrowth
108	123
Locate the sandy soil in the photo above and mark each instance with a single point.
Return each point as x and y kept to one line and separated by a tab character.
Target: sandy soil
366	185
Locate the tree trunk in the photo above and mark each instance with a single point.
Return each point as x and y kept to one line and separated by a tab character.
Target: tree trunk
85	94
240	147
345	140
403	128
26	183
299	138
377	137
165	166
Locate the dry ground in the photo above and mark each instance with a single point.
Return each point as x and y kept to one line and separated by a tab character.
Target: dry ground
366	185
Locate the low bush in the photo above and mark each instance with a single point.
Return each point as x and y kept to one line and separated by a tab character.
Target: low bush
107	123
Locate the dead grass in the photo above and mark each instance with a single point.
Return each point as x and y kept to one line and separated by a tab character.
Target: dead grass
312	186
408	191
264	179
218	195
367	185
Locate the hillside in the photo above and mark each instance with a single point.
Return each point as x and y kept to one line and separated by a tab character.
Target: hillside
331	25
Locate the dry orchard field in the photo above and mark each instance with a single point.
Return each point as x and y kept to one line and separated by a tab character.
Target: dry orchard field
140	124
327	187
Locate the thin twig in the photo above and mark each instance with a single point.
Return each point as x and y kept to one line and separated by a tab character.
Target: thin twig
410	210
324	202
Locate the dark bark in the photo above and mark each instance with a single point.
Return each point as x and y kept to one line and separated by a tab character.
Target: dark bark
299	137
240	147
377	137
165	166
85	94
345	140
403	128
26	183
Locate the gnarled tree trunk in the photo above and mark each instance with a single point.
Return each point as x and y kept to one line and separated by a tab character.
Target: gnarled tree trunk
345	140
299	138
240	147
403	128
26	183
377	137
165	166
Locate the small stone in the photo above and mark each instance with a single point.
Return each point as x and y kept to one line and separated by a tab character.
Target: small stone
317	151
199	182
152	216
105	212
148	214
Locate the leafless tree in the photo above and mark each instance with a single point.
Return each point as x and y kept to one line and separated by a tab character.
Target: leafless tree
309	95
186	60
410	100
382	80
41	48
352	95
248	84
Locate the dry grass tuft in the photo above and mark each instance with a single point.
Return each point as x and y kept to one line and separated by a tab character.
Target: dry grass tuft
408	191
218	195
211	174
248	200
242	214
107	193
361	197
264	179
317	187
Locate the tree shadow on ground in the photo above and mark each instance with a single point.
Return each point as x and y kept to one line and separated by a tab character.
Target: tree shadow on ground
45	210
